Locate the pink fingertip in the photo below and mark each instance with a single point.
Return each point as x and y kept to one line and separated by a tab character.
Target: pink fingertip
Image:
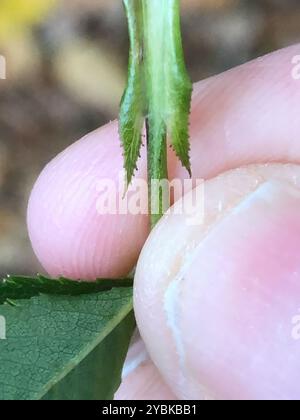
69	236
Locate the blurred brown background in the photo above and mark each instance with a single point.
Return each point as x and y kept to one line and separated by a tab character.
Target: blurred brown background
66	69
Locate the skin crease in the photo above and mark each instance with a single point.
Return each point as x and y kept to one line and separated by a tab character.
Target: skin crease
246	116
210	293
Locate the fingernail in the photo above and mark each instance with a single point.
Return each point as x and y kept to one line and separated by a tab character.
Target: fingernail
239	299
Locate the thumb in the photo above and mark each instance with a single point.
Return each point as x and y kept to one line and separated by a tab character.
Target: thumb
219	313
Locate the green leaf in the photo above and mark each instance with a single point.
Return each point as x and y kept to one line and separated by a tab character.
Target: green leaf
22	287
168	85
158	88
65	347
178	88
133	102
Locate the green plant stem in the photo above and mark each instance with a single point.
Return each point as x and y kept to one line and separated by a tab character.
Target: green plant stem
158	92
155	25
157	173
